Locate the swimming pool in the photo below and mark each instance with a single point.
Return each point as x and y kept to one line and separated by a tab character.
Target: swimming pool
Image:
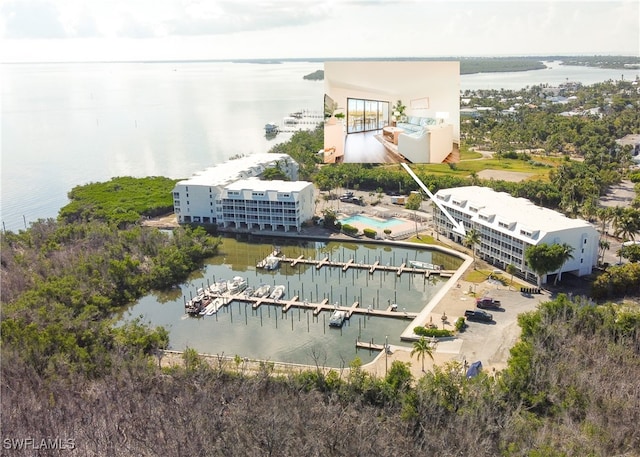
370	222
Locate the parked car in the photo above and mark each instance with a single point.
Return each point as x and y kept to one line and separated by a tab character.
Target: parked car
346	197
478	315
488	303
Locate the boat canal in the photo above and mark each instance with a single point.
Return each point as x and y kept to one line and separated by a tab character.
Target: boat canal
294	329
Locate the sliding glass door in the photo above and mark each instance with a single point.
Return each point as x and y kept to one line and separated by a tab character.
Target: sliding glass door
366	115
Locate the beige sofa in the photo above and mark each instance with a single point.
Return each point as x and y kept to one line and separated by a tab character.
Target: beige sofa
430	145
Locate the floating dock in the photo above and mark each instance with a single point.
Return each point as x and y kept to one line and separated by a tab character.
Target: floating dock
317	308
326	262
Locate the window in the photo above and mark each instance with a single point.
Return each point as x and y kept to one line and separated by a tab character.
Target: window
366	115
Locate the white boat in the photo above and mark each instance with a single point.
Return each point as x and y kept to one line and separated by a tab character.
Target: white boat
218	288
424	265
262	291
271	262
337	318
214	306
236	285
278	292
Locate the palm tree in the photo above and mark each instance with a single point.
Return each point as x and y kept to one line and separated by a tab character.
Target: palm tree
413	204
422	348
565	255
604	245
628	225
471	239
605	214
617	213
511	269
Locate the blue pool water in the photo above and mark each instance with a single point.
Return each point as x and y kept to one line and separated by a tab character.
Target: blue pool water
358	218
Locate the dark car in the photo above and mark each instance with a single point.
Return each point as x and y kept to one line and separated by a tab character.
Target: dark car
478	315
488	303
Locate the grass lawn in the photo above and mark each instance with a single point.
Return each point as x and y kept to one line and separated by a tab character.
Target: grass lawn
426	239
468	167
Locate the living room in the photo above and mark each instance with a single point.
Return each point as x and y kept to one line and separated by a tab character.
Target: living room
391	111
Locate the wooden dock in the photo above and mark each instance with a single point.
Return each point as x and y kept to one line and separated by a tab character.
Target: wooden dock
369	345
351	263
317	308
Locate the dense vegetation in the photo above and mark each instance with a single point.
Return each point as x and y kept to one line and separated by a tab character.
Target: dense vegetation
317	75
303	147
569	389
122	200
620	62
62	282
471	65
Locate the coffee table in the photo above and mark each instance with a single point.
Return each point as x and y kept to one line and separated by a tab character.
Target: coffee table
391	134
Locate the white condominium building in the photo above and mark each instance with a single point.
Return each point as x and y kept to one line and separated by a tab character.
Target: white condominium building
199	199
266	205
509	225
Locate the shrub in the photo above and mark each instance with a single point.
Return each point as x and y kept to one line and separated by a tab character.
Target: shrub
461	324
349	229
370	233
432	332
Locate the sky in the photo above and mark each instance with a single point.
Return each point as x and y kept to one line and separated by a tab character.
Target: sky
107	30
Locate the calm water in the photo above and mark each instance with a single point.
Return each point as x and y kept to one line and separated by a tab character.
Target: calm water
70	124
296	336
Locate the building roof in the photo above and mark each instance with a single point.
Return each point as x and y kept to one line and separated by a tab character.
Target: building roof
232	170
507	213
256	184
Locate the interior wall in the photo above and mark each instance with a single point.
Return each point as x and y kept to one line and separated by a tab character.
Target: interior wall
398	80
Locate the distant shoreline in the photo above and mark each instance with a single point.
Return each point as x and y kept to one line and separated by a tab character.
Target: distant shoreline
468	65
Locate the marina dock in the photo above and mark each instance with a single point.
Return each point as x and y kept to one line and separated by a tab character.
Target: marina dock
403	268
317	308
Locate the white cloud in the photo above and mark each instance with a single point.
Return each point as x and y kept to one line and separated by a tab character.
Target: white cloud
210	29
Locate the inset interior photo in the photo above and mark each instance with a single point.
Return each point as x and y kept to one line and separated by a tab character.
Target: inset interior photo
392	112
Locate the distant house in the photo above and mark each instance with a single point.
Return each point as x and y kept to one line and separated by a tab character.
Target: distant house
632	140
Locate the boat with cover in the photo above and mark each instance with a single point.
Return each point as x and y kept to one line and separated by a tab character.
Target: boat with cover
262	291
271	262
337	318
277	293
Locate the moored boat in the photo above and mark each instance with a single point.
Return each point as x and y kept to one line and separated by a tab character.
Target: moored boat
271	262
424	265
218	288
277	293
236	285
262	291
214	306
271	128
337	318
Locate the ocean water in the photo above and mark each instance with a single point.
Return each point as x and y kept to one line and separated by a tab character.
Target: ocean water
68	124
